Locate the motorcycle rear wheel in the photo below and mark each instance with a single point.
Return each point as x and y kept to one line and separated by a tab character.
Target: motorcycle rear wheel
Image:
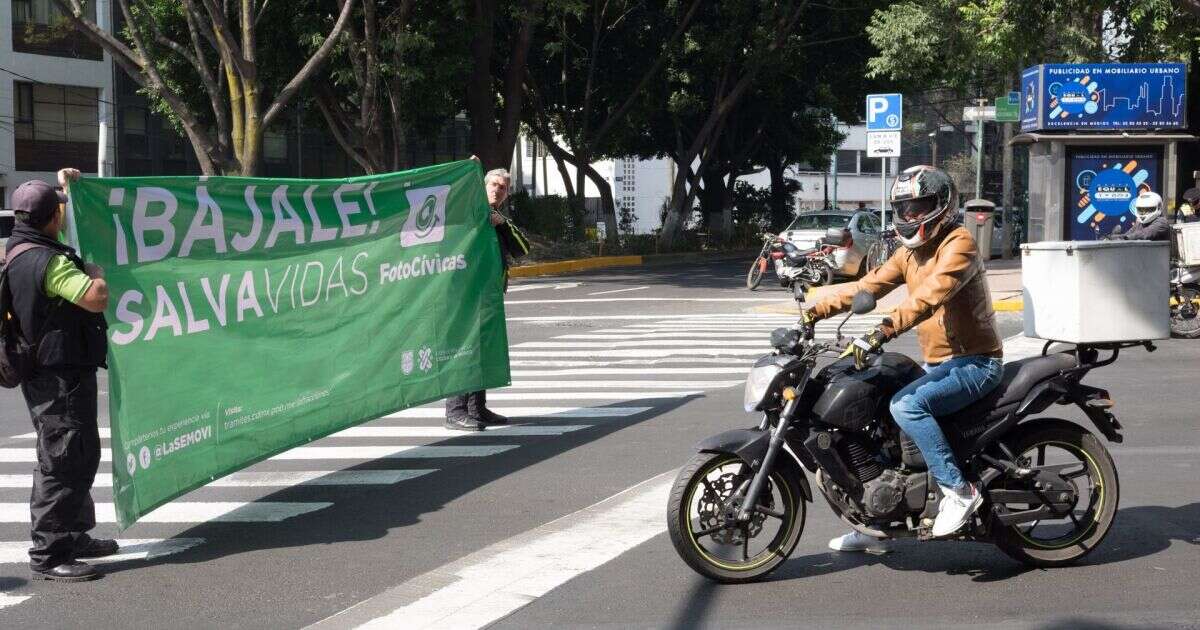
695	514
754	278
1063	541
1183	327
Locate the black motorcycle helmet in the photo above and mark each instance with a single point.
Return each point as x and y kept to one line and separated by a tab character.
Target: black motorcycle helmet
923	199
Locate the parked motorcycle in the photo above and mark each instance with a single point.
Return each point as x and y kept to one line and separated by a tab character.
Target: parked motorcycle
796	268
737	509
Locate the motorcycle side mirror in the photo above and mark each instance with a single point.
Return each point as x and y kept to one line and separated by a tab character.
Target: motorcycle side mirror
863	303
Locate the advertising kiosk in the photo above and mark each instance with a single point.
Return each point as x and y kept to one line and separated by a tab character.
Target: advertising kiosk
1098	135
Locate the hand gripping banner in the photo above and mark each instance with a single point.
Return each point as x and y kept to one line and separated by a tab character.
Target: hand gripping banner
248	316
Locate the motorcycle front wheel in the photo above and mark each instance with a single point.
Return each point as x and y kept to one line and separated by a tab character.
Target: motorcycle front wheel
1059	540
757	269
1185	320
717	547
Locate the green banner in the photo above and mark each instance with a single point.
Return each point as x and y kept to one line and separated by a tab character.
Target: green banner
248	316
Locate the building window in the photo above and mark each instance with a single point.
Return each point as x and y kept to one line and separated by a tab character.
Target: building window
55	126
40	28
870	165
275	147
847	161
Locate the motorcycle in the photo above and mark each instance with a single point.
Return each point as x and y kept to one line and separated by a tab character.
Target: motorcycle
796	268
737	509
1185	302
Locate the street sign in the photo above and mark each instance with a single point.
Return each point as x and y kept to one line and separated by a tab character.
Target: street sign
1008	109
884	112
883	143
984	113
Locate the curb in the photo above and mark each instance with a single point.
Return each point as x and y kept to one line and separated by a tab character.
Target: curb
601	262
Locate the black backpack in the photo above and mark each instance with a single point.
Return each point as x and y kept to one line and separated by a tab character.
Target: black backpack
18	357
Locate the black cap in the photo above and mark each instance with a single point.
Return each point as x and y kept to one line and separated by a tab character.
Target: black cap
38	200
1192	195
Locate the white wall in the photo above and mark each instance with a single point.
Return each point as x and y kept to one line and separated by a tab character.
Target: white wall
46	69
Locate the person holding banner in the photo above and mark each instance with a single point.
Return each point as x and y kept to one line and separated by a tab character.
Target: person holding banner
59	301
469	412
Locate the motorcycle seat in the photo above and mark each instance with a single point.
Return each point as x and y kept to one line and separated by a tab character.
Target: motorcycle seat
1018	378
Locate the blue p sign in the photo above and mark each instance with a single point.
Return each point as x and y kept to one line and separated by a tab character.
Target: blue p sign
884	112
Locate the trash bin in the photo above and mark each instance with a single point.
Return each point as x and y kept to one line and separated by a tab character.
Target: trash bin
979	219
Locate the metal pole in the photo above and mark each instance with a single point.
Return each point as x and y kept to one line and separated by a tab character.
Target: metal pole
883	193
979	151
833	163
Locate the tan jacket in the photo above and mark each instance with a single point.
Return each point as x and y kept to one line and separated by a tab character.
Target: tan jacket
948	298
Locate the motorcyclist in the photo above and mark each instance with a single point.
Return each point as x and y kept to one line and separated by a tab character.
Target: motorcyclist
1189	210
950	305
1151	225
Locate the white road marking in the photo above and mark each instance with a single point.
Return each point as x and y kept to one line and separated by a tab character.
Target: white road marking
190	512
535	412
500	579
443	432
637	299
29	455
760	343
7	600
619	290
597	335
633	363
272	479
655	384
560	396
557	286
628	372
130	549
589	318
651	353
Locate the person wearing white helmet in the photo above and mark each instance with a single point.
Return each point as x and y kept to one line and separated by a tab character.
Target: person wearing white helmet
1151	225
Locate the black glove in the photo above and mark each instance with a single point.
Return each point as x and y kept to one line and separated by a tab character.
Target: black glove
865	345
808	323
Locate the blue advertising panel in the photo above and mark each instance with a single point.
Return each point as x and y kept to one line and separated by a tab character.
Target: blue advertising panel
1102	186
1104	96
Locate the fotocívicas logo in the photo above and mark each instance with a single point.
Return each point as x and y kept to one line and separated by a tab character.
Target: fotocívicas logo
426	222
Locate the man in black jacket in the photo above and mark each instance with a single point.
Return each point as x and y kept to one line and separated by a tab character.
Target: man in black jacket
469	412
59	303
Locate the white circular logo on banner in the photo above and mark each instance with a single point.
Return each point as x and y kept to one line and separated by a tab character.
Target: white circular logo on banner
144	455
131	463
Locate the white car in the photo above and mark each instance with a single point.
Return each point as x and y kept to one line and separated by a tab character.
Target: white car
860	229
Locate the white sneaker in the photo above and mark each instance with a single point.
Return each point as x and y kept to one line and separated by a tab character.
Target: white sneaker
856	541
955	510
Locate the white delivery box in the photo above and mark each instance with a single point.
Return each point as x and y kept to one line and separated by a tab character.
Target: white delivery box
1096	291
1187	241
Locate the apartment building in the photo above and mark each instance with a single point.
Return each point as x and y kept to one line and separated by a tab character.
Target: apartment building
56	95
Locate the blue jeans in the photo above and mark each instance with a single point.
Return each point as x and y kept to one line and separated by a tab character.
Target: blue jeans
945	388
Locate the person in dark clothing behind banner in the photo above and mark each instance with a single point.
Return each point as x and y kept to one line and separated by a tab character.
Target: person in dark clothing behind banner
59	303
1151	225
469	412
1189	210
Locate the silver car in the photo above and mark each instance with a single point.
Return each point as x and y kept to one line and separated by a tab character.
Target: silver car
861	230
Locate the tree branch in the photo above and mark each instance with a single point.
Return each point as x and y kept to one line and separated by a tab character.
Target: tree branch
314	63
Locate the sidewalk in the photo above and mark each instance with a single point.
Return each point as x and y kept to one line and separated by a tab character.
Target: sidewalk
1003	277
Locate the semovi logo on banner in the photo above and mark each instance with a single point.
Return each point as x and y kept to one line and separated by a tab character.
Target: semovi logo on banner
426	221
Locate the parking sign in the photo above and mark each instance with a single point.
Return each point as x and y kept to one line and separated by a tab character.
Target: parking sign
884	112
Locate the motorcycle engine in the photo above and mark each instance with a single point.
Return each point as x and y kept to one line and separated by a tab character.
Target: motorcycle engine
883	495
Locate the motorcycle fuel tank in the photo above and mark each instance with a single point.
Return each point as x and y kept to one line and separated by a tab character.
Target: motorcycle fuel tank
853	398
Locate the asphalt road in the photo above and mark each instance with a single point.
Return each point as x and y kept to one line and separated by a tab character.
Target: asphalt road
555	524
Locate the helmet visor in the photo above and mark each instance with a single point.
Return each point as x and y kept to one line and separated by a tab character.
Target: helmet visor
913	210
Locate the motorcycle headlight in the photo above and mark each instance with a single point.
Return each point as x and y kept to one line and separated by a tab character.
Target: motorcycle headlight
761	375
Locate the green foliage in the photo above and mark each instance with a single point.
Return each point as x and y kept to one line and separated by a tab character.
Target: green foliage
551	217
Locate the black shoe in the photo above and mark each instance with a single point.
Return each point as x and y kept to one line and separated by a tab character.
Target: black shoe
73	571
96	548
491	417
464	423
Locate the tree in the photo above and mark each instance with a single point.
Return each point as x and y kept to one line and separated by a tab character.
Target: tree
581	86
177	51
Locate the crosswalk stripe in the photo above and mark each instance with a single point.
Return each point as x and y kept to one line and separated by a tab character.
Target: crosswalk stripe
190	512
672	334
632	363
29	455
640	353
589	396
442	432
271	479
130	549
631	371
657	343
535	412
7	600
586	384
